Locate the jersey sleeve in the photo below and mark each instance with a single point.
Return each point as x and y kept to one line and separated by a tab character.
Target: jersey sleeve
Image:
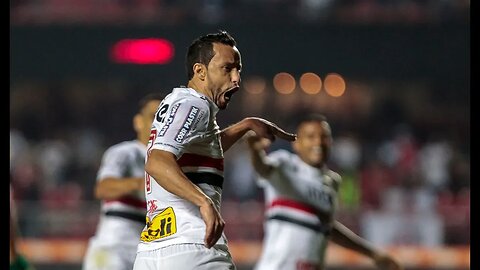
113	164
179	124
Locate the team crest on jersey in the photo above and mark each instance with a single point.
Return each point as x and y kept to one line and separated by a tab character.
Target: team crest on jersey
187	124
162	225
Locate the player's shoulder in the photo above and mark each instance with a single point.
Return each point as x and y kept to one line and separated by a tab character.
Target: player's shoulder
187	95
280	155
122	147
333	175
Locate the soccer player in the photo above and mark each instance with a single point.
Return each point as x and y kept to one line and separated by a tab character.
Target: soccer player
17	260
184	164
301	197
120	186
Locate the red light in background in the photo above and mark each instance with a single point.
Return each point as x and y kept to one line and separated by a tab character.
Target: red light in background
143	51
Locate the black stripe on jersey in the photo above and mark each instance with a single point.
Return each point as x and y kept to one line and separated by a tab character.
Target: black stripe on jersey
131	216
316	227
205	177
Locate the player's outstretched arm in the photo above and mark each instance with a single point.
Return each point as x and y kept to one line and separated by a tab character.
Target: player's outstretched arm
111	188
163	166
258	156
343	236
262	128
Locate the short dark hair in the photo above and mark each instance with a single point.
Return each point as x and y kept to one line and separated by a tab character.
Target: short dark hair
201	49
312	117
147	98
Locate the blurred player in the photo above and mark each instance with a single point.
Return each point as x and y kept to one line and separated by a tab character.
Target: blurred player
120	186
301	197
17	260
184	163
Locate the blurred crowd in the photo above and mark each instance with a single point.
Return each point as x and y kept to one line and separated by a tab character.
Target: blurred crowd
405	160
168	12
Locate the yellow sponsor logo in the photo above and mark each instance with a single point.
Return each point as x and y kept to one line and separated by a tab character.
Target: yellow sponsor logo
163	225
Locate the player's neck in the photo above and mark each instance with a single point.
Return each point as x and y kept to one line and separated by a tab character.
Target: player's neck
199	87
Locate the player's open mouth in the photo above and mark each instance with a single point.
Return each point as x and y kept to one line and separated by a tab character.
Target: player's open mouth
230	92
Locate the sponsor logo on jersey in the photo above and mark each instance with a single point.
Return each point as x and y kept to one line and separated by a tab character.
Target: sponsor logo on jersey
152	206
151	139
148	183
187	124
161	226
169	120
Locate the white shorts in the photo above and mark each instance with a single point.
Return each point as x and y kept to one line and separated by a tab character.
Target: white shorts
280	253
101	257
185	257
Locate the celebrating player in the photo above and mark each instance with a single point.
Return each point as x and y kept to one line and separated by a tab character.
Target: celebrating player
301	197
184	163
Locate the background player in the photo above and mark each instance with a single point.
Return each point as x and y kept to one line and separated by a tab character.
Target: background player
17	260
301	197
120	186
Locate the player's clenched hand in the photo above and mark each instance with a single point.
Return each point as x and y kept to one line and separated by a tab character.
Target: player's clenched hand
256	142
266	129
213	221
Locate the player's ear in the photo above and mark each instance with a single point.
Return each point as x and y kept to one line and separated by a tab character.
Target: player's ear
200	70
137	122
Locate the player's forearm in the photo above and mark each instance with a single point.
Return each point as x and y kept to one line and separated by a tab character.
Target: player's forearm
343	236
113	188
163	167
230	135
259	163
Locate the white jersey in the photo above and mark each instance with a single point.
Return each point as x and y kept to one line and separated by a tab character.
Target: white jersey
114	244
185	125
296	195
122	219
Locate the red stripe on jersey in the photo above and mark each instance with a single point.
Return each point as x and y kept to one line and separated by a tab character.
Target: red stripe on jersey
130	201
293	204
193	160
